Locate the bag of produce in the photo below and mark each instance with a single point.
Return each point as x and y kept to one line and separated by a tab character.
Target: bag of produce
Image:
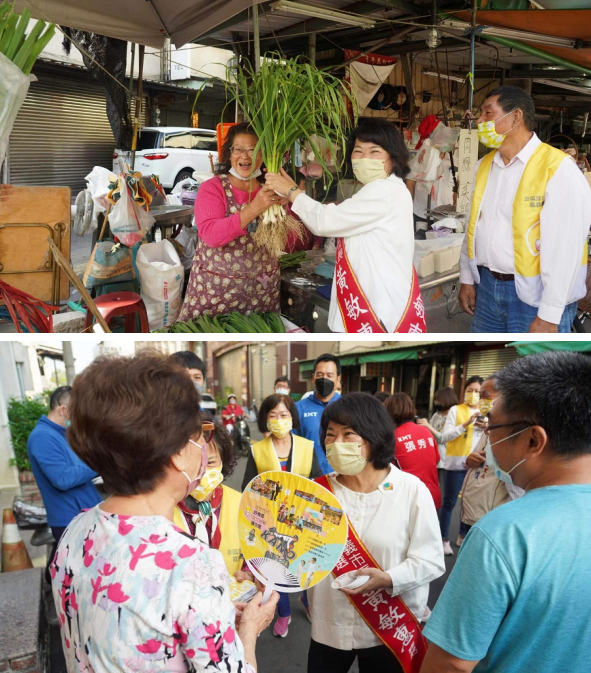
161	279
128	220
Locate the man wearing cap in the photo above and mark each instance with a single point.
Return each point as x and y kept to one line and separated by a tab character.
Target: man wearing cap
524	258
440	184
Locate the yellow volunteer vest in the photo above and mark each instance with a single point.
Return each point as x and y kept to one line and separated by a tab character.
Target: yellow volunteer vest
301	460
462	446
228	524
527	205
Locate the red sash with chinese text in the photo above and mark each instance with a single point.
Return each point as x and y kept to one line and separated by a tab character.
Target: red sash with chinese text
387	616
356	311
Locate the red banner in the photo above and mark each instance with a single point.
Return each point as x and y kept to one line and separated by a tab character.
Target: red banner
356	311
387	616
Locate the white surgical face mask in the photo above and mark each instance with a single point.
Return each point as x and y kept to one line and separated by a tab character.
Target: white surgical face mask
282	391
194	483
368	170
494	463
252	176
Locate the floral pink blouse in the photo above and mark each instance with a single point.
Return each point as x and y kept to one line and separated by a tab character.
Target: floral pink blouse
139	594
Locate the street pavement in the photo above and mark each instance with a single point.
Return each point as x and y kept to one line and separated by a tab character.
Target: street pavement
279	655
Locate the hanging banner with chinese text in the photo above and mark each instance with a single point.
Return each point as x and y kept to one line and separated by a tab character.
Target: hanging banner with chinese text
468	157
294	523
356	311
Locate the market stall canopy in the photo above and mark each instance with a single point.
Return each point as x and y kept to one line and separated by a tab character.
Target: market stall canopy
531	347
574	24
146	22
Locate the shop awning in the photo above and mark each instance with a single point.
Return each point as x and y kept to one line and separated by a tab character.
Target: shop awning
390	356
530	347
146	22
568	23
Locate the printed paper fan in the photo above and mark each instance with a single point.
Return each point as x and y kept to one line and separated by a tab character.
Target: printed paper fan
292	531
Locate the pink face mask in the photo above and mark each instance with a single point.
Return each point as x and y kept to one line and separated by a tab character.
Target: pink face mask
193	483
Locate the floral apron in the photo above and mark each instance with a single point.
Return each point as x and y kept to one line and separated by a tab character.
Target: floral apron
241	276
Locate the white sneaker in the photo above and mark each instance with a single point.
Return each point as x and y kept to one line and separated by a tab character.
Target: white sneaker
459	540
447	550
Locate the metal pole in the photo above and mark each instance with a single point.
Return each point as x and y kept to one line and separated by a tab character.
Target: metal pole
472	41
69	361
138	104
257	38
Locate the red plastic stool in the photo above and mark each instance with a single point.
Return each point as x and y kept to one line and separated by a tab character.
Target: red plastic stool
113	304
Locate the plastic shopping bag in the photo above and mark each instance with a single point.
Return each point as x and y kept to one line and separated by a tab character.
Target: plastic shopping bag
14	86
129	221
424	164
161	278
444	138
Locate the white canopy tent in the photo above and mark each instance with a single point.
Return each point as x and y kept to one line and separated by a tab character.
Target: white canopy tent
146	22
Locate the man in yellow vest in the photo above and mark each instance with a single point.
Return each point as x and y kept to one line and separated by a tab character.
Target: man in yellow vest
524	258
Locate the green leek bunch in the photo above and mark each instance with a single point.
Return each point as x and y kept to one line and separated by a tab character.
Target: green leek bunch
22	50
289	100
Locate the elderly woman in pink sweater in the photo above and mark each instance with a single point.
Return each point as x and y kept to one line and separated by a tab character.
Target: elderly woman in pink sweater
230	272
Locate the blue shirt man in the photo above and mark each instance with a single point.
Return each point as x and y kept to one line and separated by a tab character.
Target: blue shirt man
65	482
326	377
517	600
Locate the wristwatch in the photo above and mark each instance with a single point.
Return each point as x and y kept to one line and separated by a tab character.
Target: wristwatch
292	190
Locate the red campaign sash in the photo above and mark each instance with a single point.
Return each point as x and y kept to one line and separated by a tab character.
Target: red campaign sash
387	616
356	311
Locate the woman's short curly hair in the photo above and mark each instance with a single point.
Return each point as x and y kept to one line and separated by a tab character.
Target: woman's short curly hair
387	136
129	416
224	444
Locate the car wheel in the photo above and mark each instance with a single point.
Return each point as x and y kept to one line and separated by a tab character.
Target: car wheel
183	175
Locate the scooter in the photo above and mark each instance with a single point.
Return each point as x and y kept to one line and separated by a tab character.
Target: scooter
241	437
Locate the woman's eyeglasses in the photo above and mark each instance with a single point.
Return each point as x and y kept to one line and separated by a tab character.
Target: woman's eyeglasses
237	151
207	430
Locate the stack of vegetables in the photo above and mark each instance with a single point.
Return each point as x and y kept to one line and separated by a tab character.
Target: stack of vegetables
233	323
287	101
17	57
22	51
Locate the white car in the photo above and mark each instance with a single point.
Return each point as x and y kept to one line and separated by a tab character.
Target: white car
208	403
173	153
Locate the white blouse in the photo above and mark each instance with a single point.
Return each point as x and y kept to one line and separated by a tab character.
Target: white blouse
377	227
400	529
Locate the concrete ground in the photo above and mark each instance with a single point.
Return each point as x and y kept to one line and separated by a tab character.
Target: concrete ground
288	655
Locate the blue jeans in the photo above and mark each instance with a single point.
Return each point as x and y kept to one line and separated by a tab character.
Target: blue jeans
451	490
499	309
283	607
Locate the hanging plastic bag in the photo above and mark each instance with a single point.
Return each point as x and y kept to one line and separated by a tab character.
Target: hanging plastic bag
98	185
444	138
129	221
14	86
161	278
424	164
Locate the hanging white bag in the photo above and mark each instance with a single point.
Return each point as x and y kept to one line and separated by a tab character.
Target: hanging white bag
129	221
161	280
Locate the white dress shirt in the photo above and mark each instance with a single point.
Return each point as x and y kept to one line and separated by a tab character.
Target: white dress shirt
377	227
401	531
565	219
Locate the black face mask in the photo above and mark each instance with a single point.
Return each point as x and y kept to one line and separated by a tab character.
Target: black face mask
324	387
437	406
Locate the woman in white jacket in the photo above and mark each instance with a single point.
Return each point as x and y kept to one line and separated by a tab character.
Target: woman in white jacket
375	288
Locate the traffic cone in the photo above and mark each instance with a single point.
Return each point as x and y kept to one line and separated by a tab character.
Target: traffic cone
14	553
